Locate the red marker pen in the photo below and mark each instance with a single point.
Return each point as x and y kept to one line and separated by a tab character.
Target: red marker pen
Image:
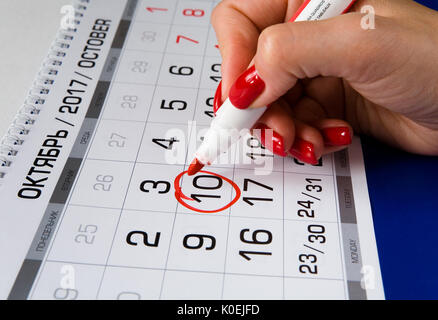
230	119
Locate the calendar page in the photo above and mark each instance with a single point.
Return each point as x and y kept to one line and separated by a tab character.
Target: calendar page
119	218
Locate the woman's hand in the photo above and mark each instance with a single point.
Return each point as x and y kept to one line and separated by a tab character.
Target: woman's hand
324	79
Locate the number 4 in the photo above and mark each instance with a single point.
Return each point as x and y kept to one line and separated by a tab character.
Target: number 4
161	143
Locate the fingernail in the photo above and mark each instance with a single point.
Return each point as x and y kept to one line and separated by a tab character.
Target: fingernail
337	136
304	151
217	103
277	145
246	89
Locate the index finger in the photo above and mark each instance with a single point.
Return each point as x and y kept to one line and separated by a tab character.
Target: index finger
238	24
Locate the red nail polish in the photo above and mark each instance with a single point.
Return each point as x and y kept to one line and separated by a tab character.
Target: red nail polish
217	103
246	89
337	136
277	146
304	151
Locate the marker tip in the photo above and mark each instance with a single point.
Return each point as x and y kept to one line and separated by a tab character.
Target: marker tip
195	167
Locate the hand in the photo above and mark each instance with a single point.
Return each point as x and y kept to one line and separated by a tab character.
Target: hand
324	79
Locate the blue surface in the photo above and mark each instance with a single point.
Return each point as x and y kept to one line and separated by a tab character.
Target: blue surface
429	3
404	197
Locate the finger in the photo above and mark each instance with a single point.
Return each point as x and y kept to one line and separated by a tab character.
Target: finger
308	110
285	136
336	133
276	129
328	93
294	94
308	146
238	24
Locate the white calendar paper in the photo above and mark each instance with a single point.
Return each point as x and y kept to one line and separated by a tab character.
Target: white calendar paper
95	202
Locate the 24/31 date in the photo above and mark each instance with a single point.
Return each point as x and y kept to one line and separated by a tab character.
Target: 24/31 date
309	196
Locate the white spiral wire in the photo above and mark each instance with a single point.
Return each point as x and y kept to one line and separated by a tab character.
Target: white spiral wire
26	116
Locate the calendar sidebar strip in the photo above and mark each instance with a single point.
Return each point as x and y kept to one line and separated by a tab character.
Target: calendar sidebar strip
357	270
34	258
361	227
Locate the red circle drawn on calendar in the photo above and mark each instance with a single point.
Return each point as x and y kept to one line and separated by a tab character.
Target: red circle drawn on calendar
180	196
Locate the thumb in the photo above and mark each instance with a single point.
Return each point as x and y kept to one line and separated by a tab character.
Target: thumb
337	47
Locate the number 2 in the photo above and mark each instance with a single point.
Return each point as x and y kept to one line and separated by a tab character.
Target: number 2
104	183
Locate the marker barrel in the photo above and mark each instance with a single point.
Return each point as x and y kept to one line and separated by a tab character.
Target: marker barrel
321	9
226	128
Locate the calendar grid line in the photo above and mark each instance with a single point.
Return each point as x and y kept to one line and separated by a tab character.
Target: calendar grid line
284	236
166	24
186	155
191	214
176	209
123	49
189	271
138	152
211	166
141	121
163	23
172	53
170	86
162	59
229	216
339	231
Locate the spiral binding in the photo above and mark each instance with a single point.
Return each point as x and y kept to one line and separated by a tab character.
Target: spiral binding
26	116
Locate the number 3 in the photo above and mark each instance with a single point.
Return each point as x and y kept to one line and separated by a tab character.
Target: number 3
155	185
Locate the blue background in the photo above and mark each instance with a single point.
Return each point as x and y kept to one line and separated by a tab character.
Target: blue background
404	197
430	3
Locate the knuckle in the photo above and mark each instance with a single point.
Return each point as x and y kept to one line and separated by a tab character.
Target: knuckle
217	12
270	59
270	48
220	10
